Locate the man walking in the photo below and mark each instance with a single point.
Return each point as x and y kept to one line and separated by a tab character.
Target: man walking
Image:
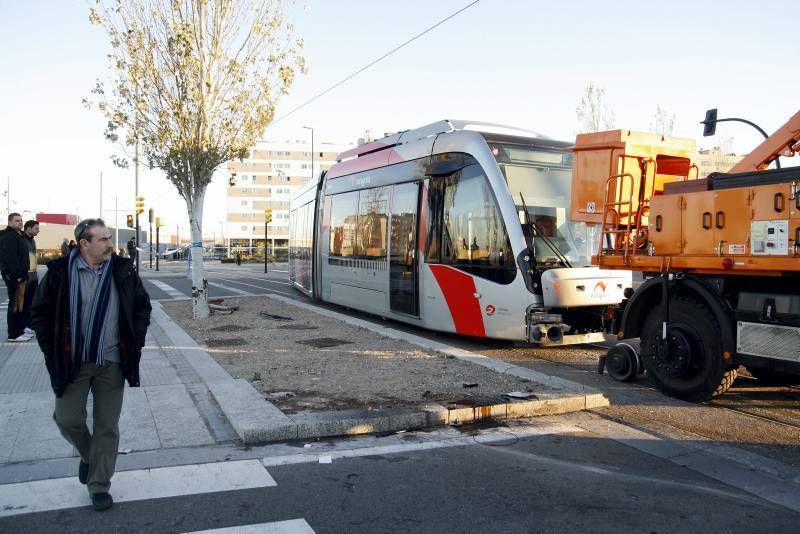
29	232
90	315
14	261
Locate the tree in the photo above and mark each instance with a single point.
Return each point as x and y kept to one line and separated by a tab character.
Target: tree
593	113
663	122
195	83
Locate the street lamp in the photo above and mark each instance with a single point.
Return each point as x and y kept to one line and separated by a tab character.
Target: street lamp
710	127
312	149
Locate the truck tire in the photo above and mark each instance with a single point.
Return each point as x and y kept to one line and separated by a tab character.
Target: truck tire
691	368
773	378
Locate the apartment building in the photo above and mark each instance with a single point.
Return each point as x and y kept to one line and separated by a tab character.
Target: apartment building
716	160
267	179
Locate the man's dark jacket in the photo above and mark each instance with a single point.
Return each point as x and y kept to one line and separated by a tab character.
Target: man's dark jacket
50	318
14	259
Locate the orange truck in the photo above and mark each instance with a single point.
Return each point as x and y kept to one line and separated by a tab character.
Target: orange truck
720	257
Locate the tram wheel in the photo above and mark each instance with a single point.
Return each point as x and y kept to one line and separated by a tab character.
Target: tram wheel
689	365
623	363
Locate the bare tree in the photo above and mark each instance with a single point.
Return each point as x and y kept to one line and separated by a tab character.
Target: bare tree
663	122
195	83
594	115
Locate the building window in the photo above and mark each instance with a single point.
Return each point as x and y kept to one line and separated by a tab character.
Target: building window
244	228
244	203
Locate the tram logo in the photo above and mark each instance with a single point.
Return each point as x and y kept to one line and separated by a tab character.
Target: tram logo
599	290
490	310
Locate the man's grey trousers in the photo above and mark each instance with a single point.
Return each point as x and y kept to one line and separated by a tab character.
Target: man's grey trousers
99	448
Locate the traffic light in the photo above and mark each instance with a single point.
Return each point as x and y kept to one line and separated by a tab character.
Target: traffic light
268	216
159	224
151	215
139	205
130	221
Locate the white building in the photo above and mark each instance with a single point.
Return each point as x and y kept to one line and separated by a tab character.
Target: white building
268	179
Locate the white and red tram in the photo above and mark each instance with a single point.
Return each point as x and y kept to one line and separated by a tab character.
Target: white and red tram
458	227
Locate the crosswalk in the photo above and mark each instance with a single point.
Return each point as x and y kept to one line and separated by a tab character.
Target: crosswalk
147	484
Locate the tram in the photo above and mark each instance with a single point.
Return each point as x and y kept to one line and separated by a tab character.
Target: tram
458	227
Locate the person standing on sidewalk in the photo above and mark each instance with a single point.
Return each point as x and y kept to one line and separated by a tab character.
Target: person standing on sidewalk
90	315
14	269
29	232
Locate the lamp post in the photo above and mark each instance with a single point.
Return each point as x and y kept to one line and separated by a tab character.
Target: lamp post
710	127
312	149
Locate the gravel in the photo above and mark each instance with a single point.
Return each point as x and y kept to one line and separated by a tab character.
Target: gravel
303	361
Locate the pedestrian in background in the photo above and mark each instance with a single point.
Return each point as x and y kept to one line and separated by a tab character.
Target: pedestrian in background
14	261
132	250
72	245
64	247
90	315
29	231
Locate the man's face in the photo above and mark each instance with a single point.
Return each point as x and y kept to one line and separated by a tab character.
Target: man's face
16	223
33	231
97	245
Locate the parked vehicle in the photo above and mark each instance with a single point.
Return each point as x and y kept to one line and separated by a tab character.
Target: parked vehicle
455	227
720	255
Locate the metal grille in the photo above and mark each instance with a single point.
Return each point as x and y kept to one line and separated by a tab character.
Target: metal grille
297	327
229	328
780	342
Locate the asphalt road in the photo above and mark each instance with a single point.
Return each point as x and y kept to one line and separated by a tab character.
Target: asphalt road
556	480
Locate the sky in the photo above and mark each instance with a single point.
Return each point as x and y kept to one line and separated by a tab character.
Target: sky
522	63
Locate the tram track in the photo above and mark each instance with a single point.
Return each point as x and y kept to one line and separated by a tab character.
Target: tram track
749	400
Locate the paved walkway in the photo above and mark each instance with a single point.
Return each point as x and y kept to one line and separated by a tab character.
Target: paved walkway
173	409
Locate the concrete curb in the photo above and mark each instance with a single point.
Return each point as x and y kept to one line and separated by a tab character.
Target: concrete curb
256	420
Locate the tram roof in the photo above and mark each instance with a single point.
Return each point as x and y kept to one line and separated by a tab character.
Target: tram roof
436	128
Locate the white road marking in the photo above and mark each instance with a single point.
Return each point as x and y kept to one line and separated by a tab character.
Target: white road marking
256	285
231	289
486	437
168	289
60	493
293	526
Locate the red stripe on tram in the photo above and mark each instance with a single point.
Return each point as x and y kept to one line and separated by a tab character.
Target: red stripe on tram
458	289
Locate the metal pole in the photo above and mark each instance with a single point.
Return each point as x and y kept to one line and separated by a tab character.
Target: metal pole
157	246
136	173
150	241
266	225
116	221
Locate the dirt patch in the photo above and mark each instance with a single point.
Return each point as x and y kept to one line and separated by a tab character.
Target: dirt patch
300	360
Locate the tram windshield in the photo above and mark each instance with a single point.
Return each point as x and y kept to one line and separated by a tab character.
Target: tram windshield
540	180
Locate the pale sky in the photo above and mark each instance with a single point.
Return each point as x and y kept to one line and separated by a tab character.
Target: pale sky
522	63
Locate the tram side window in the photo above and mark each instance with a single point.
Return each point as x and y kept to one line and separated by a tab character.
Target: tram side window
373	223
469	227
344	219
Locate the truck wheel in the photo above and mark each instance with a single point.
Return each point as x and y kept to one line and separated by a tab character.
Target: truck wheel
773	378
690	366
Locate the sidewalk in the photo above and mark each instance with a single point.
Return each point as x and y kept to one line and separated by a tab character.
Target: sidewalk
188	399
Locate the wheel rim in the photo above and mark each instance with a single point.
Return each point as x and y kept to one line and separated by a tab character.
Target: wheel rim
679	357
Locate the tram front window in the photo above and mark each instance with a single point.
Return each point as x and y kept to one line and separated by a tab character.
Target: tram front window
546	192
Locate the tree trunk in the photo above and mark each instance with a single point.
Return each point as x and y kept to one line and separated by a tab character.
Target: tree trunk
200	308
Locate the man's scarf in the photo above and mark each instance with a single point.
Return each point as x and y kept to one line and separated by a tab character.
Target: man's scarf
89	349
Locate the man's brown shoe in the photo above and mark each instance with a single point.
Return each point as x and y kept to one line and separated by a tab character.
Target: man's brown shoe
102	501
83	472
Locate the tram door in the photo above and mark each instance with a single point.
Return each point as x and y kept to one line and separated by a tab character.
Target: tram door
403	287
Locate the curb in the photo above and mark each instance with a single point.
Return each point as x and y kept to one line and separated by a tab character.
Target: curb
256	420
